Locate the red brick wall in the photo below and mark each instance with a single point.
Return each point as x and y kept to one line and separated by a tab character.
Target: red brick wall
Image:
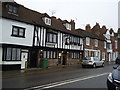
100	46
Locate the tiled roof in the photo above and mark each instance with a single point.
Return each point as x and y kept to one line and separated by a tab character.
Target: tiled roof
24	15
35	18
90	34
97	28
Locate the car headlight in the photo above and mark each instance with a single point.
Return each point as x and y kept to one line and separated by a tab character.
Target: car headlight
110	77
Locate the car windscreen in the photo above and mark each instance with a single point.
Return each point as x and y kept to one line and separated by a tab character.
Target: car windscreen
87	58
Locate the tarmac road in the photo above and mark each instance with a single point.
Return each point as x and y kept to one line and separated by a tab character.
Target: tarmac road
59	78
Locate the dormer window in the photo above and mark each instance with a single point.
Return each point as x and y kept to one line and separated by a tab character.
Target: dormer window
12	9
68	26
47	21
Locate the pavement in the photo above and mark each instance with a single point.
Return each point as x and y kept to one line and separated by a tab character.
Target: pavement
17	73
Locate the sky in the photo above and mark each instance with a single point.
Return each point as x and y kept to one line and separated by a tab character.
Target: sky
104	12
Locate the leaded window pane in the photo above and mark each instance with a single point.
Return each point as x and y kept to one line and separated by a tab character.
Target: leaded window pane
14	54
8	56
21	32
10	8
50	38
15	31
18	54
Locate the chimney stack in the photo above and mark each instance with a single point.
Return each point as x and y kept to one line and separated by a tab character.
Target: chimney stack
88	27
72	22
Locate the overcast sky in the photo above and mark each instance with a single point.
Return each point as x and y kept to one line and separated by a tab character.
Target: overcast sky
104	12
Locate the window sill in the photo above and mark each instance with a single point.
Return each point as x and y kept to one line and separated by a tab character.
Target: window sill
11	60
12	13
18	36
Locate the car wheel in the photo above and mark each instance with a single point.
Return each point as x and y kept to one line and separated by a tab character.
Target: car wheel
103	65
94	65
83	66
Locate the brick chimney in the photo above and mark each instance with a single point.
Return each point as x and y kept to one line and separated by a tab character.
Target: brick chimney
88	27
53	17
72	22
103	27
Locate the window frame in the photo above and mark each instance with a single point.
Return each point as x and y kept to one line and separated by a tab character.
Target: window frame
47	21
51	54
103	55
96	42
116	44
105	45
53	36
11	55
75	55
68	26
87	41
18	31
12	9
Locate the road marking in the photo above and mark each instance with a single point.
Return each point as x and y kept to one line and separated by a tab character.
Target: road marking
51	85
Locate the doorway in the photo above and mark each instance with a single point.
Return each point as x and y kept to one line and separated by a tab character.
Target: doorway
33	59
24	58
64	58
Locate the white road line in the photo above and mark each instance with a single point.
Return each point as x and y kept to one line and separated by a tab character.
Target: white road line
51	85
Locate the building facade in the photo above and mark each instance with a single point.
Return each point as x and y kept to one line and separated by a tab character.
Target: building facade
16	38
94	45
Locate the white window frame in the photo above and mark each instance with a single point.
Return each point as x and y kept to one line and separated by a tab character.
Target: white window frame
68	26
103	55
47	21
96	43
81	40
87	41
105	45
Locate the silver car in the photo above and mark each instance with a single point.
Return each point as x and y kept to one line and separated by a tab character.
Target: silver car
92	61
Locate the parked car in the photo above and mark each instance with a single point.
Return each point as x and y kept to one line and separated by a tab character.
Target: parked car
113	80
117	61
92	61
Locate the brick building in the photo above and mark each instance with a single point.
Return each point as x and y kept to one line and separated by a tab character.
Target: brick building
93	44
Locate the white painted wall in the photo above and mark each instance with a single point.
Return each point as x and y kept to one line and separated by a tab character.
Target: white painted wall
0	55
7	31
59	40
0	29
44	37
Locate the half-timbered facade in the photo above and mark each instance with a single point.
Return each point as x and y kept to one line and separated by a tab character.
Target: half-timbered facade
58	42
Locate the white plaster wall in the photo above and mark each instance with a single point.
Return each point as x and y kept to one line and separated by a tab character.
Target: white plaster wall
0	29
41	42
44	37
7	31
58	39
